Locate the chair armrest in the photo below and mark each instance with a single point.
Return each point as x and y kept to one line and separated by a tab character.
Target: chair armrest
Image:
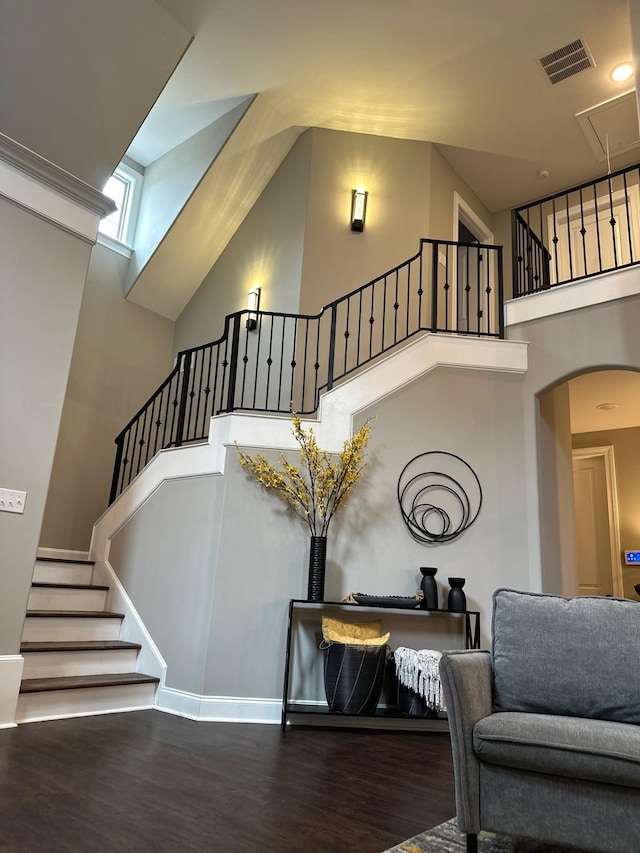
467	684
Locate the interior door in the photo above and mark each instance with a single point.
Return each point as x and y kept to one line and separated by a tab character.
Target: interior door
593	539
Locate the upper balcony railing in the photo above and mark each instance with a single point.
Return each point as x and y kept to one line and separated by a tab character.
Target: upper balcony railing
585	231
281	363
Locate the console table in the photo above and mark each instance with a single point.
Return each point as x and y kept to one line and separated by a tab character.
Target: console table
309	614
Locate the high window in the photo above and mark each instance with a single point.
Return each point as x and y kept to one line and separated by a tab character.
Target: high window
124	187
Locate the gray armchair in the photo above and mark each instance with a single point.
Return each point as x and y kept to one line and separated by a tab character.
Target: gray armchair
545	728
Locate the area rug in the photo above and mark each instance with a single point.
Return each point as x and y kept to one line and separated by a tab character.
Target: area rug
446	839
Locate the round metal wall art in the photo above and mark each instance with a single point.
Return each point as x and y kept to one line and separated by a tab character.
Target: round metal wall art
440	496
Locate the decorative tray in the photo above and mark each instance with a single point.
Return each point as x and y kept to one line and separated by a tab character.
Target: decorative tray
400	601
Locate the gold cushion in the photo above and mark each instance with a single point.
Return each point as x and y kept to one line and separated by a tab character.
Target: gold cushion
350	633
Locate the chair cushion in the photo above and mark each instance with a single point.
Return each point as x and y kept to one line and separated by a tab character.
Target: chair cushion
596	750
567	656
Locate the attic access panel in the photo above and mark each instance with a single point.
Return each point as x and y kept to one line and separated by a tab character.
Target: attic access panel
613	123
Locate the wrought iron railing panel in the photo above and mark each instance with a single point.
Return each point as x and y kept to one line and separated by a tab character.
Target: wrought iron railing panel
286	362
573	235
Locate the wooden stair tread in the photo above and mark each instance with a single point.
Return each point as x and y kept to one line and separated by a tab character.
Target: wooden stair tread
93	614
77	646
43	585
65	560
73	682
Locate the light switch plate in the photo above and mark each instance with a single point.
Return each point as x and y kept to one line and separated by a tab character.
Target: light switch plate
12	500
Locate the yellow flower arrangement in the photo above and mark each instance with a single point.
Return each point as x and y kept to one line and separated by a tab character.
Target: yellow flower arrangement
319	487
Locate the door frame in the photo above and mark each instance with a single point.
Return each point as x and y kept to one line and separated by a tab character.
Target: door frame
463	212
607	453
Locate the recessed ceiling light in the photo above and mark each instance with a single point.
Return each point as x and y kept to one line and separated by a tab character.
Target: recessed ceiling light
622	72
606	407
544	173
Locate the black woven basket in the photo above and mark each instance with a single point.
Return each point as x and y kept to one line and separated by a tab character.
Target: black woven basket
353	676
411	704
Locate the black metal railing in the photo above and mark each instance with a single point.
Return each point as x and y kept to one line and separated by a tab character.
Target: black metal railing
585	231
286	361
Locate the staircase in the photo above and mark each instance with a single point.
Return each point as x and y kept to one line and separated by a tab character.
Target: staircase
74	662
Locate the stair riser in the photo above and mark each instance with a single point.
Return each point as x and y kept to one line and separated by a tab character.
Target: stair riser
43	598
57	704
51	629
60	664
62	573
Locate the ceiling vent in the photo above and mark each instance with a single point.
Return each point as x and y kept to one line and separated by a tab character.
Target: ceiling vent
567	61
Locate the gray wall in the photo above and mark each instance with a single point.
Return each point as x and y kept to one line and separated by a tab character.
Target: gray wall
555	477
626	446
166	558
566	345
266	250
395	173
212	562
122	353
42	277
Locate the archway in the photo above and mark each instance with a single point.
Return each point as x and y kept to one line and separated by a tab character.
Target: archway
594	417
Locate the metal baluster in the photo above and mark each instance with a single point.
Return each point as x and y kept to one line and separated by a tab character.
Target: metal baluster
448	304
408	298
372	320
583	232
467	289
269	363
555	240
316	367
346	335
332	345
233	362
569	247
294	353
186	369
420	289
284	321
500	293
612	222
384	309
304	366
478	290
395	317
628	215
206	408
435	248
113	494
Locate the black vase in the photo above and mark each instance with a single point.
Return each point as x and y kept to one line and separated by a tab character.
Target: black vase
457	600
317	562
429	588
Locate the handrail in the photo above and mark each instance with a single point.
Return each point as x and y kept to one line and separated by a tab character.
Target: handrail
576	234
286	362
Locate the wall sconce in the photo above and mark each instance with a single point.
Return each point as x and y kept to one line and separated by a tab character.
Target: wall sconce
358	209
253	306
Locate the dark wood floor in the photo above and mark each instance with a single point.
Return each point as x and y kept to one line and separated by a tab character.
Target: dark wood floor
154	783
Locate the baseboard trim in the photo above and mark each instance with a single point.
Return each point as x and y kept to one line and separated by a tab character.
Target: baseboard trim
10	677
61	554
47	718
133	629
220	709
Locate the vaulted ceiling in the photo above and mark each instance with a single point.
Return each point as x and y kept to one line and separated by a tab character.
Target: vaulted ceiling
465	75
79	77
